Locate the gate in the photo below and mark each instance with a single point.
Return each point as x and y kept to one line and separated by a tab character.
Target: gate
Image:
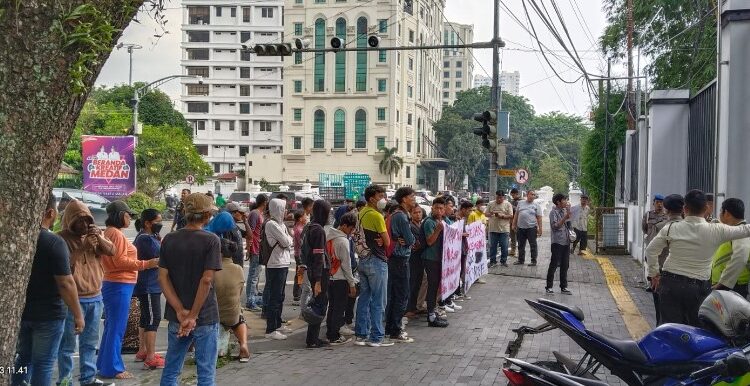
701	132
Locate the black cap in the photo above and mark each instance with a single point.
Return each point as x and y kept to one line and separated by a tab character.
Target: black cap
119	206
674	203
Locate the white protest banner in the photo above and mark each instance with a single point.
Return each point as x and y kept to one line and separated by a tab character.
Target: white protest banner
451	274
476	257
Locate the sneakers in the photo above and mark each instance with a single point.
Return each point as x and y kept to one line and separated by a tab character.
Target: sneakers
438	322
285	330
276	335
319	344
341	340
565	291
97	382
344	330
402	338
156	363
384	343
456	307
447	308
519	263
549	290
441	312
360	341
532	264
295	303
504	265
491	264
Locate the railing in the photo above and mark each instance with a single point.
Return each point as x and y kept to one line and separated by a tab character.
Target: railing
701	132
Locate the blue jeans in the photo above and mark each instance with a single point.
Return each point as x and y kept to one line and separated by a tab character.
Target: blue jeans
251	286
502	238
117	308
87	340
398	294
373	285
206	352
36	351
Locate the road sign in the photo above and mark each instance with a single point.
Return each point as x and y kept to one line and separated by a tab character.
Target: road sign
522	176
506	172
190	179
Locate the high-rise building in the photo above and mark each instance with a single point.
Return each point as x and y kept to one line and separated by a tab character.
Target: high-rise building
458	63
342	108
237	108
509	81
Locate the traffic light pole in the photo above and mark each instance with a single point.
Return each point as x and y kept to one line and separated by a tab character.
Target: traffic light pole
496	97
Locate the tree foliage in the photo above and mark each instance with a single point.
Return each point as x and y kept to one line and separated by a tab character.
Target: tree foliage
465	153
550	172
391	163
678	36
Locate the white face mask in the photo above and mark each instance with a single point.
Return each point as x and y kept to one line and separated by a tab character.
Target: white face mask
382	203
482	208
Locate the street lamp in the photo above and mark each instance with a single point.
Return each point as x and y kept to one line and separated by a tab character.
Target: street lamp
140	92
130	47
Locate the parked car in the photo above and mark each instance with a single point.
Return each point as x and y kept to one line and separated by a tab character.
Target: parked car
245	199
96	203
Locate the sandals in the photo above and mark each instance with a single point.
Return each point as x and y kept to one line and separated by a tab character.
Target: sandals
244	357
124	375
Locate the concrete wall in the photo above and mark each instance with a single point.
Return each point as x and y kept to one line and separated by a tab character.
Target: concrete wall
668	120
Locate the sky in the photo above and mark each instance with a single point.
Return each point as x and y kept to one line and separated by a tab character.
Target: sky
584	19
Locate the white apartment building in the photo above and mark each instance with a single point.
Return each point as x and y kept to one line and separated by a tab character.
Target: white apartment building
341	108
510	82
237	109
458	63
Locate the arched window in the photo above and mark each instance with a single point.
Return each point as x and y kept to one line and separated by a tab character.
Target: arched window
319	129
362	55
360	129
320	57
339	129
341	57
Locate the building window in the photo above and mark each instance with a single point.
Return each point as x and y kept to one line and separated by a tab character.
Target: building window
245	55
198	36
408	172
446	64
217	125
266	12
298	1
381	85
459	74
202	149
231	125
197	89
297	115
446	74
319	129
217	167
197	107
197	53
199	15
459	64
245	128
409	91
297	58
408	146
233	11
459	84
339	129
244	72
446	94
297	86
297	29
360	129
411	64
398	116
408	119
244	150
244	36
411	36
244	90
198	71
218	11
297	143
380	142
265	126
381	113
383	25
446	84
320	58
341	57
382	56
362	55
244	108
245	14
320	1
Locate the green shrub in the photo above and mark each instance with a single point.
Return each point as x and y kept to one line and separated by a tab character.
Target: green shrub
138	202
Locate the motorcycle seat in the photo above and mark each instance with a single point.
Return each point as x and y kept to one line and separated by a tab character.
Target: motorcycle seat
629	349
577	312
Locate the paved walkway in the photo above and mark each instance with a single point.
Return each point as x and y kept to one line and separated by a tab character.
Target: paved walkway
469	351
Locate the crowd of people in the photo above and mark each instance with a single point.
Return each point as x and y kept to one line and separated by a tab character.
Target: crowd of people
368	269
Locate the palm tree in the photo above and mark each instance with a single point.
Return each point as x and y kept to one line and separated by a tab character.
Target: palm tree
391	163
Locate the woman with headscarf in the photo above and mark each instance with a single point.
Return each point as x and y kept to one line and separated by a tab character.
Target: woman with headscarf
120	275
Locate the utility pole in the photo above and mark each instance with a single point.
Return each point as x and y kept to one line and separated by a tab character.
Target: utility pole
606	134
495	99
629	97
130	48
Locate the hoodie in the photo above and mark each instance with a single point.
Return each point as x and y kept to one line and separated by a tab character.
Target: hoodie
224	226
337	244
85	260
313	252
278	236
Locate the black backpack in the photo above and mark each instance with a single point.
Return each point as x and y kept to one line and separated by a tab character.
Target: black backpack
266	249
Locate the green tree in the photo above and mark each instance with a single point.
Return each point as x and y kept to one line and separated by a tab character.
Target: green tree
465	152
551	171
391	163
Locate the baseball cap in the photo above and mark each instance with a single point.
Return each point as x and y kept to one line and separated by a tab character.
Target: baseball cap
658	197
233	207
119	206
199	203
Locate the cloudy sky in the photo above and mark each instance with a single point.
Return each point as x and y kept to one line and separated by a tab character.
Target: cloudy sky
584	19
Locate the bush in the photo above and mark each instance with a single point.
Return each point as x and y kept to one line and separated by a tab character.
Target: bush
138	202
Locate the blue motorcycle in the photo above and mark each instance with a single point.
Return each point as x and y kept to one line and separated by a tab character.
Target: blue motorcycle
667	356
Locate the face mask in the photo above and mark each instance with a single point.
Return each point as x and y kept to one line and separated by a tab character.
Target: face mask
382	203
156	228
482	208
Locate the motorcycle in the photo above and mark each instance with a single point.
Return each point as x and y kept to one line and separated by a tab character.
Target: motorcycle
667	356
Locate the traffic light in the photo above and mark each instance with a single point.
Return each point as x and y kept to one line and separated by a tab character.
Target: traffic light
488	131
337	43
282	49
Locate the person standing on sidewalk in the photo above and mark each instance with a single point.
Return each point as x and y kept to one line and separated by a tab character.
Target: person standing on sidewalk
281	245
147	290
255	224
560	237
371	243
235	234
318	267
729	264
500	214
432	257
515	198
674	205
398	265
343	285
300	220
87	245
43	318
653	217
683	282
416	265
179	212
580	221
527	221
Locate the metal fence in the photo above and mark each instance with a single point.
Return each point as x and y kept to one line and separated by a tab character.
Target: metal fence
701	131
611	230
634	167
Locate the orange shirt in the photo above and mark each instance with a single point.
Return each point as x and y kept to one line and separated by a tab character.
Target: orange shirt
123	266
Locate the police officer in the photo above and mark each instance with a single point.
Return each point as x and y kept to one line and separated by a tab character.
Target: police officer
673	204
653	217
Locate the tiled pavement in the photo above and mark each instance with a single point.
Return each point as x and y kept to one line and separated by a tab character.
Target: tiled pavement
469	351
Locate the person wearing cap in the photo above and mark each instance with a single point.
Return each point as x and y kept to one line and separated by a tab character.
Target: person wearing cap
189	258
684	280
729	264
120	275
674	205
500	214
236	233
653	217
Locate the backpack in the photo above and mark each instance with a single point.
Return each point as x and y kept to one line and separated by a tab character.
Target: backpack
392	246
359	239
335	261
266	249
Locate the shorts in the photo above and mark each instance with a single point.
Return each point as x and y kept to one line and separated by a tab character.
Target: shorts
150	305
241	321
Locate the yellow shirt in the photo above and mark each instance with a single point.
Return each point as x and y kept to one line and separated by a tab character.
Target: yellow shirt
476	215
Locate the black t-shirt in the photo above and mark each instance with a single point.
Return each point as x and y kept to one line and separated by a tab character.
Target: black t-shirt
186	254
52	258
